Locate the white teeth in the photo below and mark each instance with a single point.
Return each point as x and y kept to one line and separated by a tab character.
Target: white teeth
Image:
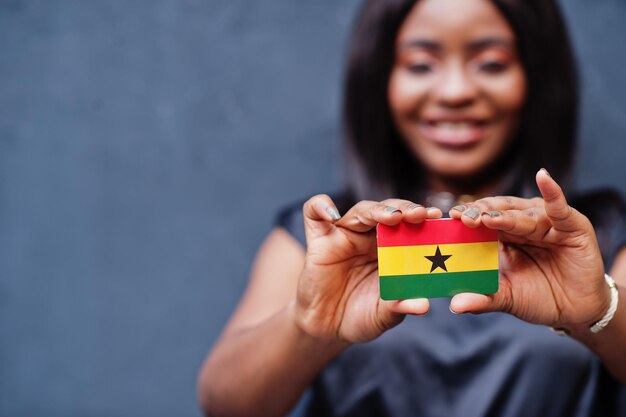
453	125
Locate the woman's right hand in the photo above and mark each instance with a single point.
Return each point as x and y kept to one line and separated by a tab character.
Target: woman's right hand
338	296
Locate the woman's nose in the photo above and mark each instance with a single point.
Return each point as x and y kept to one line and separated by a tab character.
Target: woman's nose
455	88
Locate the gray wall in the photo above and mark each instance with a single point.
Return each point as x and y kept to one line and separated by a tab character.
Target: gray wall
144	149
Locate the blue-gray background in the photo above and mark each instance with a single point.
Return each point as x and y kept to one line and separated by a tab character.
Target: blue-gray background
144	149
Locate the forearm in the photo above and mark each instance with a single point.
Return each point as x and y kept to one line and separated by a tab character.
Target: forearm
610	343
263	370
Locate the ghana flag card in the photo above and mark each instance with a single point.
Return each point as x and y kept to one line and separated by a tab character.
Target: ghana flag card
436	258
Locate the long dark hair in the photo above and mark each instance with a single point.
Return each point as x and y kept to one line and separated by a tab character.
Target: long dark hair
381	163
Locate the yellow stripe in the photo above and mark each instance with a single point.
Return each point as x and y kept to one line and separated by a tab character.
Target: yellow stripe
401	260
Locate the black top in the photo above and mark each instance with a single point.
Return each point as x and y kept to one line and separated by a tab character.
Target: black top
469	365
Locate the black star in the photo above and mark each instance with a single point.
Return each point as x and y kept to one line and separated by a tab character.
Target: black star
438	260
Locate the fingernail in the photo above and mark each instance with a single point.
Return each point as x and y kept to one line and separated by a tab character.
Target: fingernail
390	209
333	213
414	206
452	311
472	213
459	208
493	213
546	172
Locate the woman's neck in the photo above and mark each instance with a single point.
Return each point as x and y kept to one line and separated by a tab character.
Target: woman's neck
498	178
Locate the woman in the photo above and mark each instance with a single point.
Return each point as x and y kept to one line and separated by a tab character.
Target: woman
447	102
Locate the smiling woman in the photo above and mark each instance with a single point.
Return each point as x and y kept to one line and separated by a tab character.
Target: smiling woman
454	97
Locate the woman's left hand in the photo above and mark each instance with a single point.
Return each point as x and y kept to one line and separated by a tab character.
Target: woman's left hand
551	270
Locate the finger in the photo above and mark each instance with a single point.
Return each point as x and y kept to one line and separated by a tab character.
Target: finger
434	213
472	303
502	300
411	212
470	211
497	203
416	306
561	214
470	216
319	215
483	303
532	223
365	215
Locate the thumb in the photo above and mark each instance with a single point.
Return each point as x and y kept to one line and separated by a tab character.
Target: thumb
416	306
483	303
392	312
560	213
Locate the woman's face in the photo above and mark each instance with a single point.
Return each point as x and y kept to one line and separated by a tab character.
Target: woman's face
457	85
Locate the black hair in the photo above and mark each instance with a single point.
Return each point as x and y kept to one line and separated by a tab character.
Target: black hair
380	161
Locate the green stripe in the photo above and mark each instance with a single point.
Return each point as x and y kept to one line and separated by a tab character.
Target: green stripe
401	287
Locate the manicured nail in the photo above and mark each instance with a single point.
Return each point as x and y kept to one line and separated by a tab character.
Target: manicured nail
452	311
333	213
390	209
413	206
459	208
472	213
493	213
546	172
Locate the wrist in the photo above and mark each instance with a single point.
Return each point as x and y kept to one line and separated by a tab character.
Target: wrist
606	311
311	338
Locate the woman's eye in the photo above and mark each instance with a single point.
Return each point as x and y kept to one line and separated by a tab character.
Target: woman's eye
492	67
420	68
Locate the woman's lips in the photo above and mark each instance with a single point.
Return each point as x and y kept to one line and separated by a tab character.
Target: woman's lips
456	134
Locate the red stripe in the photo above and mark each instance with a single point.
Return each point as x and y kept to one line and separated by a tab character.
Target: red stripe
433	232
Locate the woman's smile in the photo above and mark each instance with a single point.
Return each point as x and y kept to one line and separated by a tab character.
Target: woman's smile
453	133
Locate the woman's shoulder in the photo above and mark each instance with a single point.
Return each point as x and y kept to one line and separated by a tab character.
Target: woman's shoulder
290	216
606	210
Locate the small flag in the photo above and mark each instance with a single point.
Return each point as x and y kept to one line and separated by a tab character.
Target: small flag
436	258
